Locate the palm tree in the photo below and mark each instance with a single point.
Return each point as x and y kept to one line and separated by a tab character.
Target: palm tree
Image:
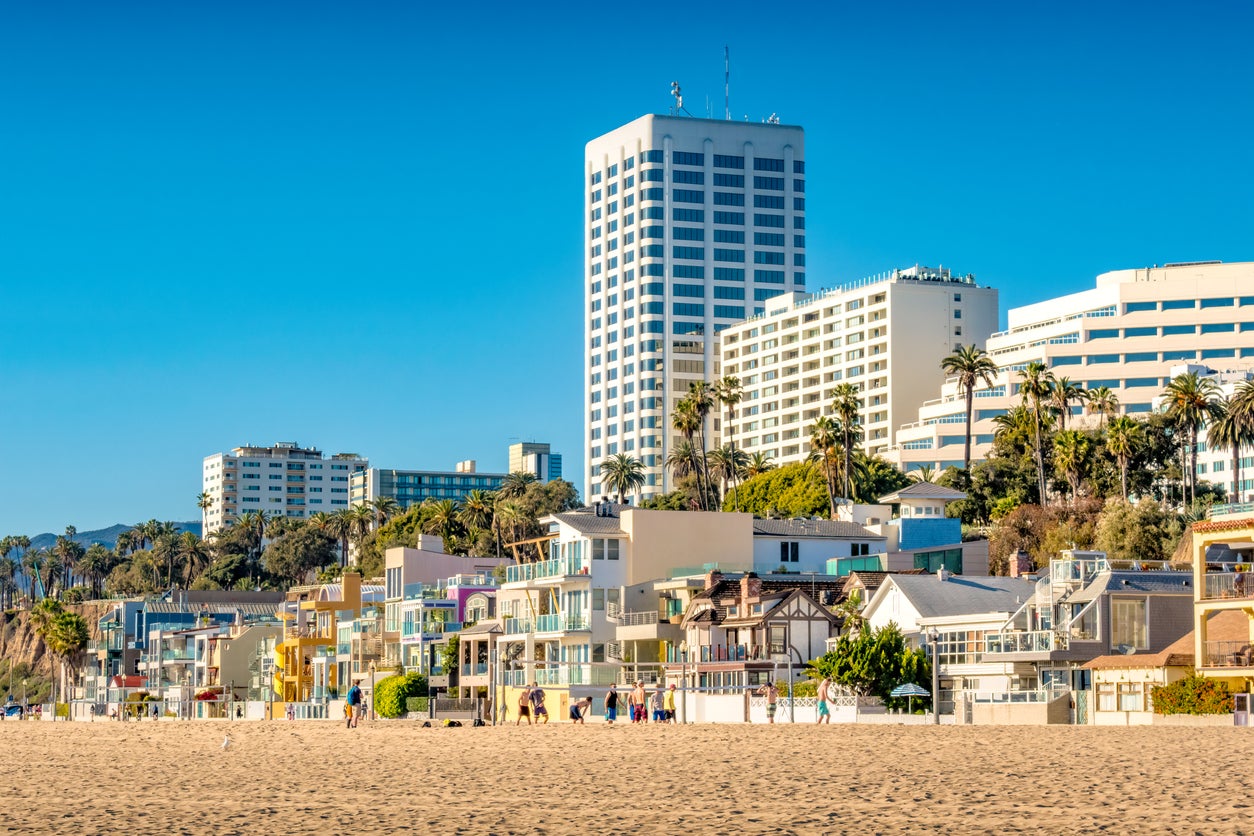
361	519
95	564
477	509
385	507
1230	431
1192	402
515	484
204	502
1101	401
1123	438
194	555
729	393
1035	387
824	435
687	421
1071	451
972	366
726	463
702	398
623	474
845	407
679	460
926	473
443	518
1063	391
340	527
758	464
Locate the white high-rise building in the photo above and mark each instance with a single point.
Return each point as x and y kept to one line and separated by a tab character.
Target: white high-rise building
692	224
886	335
1125	334
285	480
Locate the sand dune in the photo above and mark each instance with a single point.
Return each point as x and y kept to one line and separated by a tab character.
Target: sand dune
284	777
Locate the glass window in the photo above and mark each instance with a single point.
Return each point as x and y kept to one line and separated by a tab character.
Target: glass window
1221	302
1127	619
1219	328
1140	332
1179	304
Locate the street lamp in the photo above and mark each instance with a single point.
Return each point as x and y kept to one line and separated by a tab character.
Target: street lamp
683	678
933	636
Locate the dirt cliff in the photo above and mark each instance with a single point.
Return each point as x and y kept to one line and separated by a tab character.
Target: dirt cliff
24	656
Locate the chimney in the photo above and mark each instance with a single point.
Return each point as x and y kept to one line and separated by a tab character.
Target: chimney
713	578
942	574
750	588
1020	564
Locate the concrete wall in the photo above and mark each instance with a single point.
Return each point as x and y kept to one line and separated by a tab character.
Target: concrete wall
661	541
1054	713
423	566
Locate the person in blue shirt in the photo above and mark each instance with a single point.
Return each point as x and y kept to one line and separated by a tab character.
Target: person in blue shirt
355	705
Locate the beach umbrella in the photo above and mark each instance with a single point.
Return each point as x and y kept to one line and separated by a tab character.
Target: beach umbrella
909	691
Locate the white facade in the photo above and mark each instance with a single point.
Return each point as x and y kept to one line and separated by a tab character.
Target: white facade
691	225
886	335
1215	465
1125	334
284	480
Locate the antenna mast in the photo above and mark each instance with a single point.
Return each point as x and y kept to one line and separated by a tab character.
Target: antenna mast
726	83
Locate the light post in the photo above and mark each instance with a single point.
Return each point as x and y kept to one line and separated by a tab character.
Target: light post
372	691
25	701
683	677
933	636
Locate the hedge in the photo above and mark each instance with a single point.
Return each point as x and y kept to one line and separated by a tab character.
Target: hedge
1192	695
391	694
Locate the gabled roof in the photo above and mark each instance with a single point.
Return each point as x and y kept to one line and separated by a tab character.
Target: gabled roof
587	521
1225	626
958	595
773	589
870	580
923	490
486	626
801	528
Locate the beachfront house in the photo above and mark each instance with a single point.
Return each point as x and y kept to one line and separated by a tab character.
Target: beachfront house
1222	551
917	533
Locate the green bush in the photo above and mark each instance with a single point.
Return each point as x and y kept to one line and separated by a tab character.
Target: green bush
391	694
1192	695
416	705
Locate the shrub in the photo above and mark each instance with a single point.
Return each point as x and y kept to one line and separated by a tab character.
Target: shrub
391	694
1192	695
416	705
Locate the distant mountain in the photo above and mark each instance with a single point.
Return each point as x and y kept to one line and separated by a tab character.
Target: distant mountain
107	536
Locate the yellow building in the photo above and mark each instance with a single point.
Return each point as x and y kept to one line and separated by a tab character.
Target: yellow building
1224	584
306	660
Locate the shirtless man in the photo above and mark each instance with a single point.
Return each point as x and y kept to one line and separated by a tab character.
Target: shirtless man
772	694
825	713
639	713
524	706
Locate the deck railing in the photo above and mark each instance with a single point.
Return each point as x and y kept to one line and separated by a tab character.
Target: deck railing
1229	654
1034	641
1228	585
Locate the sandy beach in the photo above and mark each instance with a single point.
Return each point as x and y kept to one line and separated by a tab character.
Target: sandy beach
321	778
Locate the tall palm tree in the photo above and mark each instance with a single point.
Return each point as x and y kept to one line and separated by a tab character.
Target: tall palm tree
1071	451
515	484
204	502
1103	402
194	554
680	459
687	420
95	564
758	464
385	507
729	393
362	523
1035	387
477	510
702	398
726	463
926	473
1230	431
1063	391
624	474
1123	439
443	519
1192	402
341	528
846	404
824	436
971	365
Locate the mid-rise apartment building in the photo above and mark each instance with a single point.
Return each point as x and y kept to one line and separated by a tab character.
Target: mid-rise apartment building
413	487
886	335
284	480
536	458
691	225
1126	334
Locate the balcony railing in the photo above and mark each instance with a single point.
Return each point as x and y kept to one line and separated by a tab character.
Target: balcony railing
429	628
635	619
477	669
555	568
559	622
1231	654
1034	641
718	653
516	626
1231	510
178	656
1229	585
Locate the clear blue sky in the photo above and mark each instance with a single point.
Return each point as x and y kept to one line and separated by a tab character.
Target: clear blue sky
191	194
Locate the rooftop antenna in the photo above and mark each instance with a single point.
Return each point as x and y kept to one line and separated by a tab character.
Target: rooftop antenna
679	98
726	83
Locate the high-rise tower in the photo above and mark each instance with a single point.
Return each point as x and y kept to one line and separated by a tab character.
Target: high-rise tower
692	224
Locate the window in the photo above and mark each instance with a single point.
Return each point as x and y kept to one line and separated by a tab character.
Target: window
690	253
689	215
693	291
1170	330
729	199
734	181
1218	328
767	164
769	276
1223	302
1103	358
776	221
1179	304
694	178
729	311
789	552
729	218
768	239
1128	623
1134	307
688	271
771	257
725	292
729	274
729	236
688	196
766	201
688	158
723	161
687	309
729	255
1141	357
688	233
778	638
774	184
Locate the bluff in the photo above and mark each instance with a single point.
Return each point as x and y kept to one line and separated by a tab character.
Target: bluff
24	655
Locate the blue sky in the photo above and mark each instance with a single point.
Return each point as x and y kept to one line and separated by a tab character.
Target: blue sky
206	209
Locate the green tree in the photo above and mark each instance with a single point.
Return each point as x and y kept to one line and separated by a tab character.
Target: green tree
297	554
1103	402
623	474
1231	430
1123	437
728	392
793	490
726	463
823	438
1192	402
872	662
390	694
1063	392
758	464
846	406
1035	386
1143	531
1071	453
686	419
701	396
971	366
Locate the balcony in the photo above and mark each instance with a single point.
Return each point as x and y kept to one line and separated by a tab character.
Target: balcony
477	669
556	568
1026	641
178	656
560	623
718	653
1234	585
430	630
516	626
1230	654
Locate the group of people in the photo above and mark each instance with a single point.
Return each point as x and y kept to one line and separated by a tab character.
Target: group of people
640	704
772	700
531	704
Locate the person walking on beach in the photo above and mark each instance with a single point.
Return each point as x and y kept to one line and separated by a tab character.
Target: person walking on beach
825	689
657	704
354	705
537	704
772	694
524	706
668	705
611	706
579	709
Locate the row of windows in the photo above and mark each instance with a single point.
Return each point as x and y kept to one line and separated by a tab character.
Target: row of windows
1189	304
1151	356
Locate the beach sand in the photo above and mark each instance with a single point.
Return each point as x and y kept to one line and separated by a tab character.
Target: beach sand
281	777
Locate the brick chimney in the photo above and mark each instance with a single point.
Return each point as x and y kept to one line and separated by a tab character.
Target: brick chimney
713	578
1020	564
750	588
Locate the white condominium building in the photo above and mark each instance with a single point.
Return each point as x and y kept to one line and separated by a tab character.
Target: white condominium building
886	335
691	225
1125	334
285	480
